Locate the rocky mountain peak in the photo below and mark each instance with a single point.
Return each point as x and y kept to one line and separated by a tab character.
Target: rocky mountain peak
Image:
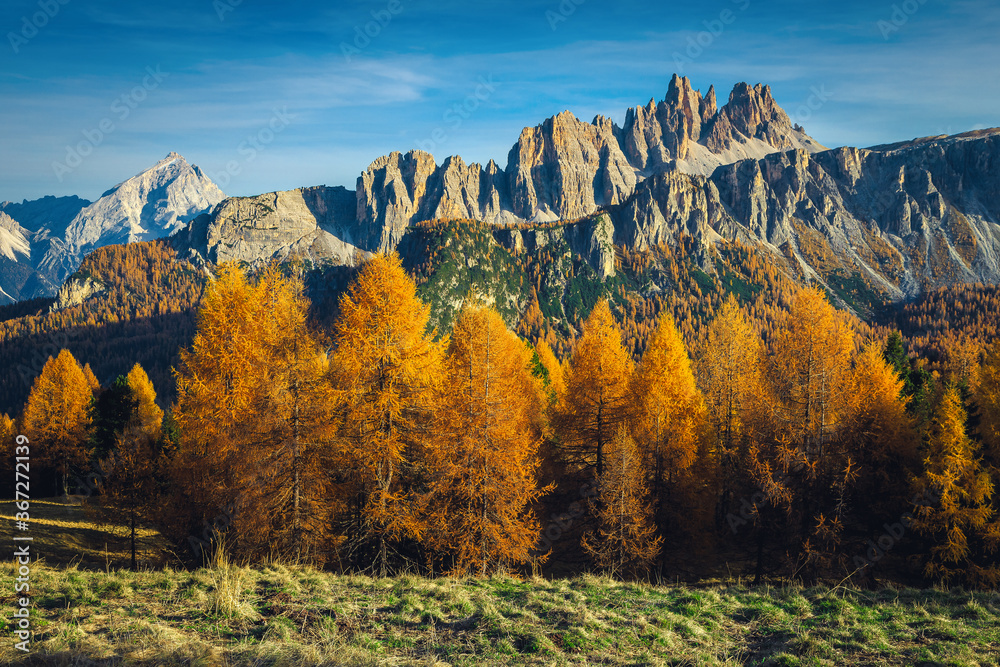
13	242
60	231
154	203
709	108
565	168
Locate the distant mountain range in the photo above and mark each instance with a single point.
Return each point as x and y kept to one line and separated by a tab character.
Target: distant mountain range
43	241
891	220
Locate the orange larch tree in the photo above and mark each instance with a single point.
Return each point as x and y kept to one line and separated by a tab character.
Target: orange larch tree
597	398
625	542
731	370
56	416
387	369
670	428
988	400
254	413
878	437
810	374
955	510
133	470
554	369
484	466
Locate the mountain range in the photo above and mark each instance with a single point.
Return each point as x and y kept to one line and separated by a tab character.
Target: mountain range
895	219
43	241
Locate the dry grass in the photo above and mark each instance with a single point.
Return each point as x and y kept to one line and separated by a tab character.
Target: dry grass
64	532
293	615
280	614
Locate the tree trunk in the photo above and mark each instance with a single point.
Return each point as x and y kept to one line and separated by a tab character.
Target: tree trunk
133	539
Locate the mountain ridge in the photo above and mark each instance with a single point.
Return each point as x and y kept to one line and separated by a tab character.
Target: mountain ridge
899	218
61	231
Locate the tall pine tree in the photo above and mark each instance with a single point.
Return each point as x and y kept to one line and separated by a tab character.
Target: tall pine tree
388	369
484	467
56	417
597	398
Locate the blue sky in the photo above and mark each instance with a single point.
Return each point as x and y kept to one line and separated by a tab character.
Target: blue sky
264	96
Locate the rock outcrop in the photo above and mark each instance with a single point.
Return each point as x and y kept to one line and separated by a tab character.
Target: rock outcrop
75	291
316	224
906	218
13	244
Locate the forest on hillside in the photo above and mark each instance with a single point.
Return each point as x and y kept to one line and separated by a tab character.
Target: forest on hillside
804	445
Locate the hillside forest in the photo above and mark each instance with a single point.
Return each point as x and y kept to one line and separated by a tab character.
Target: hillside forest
772	434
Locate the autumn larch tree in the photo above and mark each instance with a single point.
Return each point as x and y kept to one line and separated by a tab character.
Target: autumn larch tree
254	414
133	468
810	370
670	428
91	378
597	398
878	437
484	465
810	373
955	493
731	371
387	370
625	542
148	415
7	435
56	416
553	368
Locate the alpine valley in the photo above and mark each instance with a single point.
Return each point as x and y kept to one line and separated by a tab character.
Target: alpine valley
685	202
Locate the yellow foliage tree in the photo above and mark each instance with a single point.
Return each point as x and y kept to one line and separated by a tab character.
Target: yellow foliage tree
56	416
625	542
876	432
91	378
254	412
134	469
731	370
597	397
7	435
670	425
957	514
484	467
149	416
388	369
811	371
555	370
797	460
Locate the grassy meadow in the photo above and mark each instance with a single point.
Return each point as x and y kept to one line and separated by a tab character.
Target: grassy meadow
89	610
